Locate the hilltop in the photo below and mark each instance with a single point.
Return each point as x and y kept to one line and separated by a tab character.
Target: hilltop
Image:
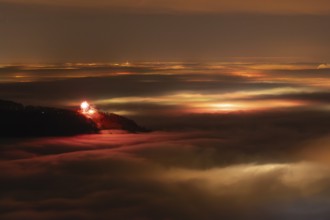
18	120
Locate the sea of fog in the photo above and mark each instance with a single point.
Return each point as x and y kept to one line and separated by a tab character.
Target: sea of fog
230	141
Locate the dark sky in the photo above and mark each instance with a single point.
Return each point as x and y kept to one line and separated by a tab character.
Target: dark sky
101	31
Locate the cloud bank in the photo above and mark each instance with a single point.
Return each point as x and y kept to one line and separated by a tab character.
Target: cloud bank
233	141
165	175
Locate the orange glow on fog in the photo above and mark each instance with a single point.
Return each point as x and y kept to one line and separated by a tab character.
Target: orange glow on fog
268	87
226	107
249	106
246	101
248	74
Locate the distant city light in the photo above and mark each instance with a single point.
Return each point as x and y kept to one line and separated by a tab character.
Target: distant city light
91	111
84	106
87	109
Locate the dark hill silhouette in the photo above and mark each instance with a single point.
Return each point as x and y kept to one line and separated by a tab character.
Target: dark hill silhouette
17	120
114	121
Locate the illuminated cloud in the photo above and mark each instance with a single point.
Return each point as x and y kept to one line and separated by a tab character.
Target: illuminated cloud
324	66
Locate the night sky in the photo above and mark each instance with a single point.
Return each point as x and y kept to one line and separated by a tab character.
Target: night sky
236	93
102	31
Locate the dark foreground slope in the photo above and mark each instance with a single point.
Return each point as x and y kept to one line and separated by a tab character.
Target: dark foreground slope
17	120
